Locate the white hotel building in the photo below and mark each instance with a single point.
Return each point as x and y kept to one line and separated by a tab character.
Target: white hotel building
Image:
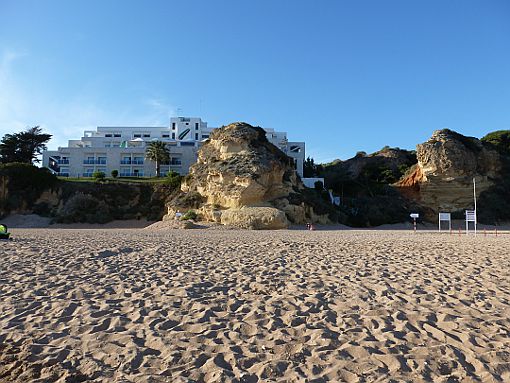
123	149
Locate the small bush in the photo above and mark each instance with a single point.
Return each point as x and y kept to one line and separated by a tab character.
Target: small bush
190	214
115	173
173	179
98	176
499	140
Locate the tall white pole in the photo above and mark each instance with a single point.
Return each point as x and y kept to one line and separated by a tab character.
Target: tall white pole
474	195
474	191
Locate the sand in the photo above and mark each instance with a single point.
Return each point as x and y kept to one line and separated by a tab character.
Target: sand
136	305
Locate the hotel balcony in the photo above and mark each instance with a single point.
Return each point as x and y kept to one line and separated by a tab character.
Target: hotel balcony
94	162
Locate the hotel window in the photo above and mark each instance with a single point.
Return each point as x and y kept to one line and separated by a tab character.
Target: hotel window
196	136
146	135
165	135
205	136
116	135
187	123
108	135
173	125
196	125
137	135
173	136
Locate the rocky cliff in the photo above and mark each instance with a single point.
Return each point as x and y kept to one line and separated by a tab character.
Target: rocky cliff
241	179
442	180
26	189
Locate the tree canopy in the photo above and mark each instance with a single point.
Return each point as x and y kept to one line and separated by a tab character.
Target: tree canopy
157	152
23	147
309	168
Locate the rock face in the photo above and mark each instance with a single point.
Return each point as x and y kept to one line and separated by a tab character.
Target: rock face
243	180
443	178
389	158
255	218
239	167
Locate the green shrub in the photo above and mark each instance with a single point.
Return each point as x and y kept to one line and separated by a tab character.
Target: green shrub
499	140
98	176
319	186
115	173
190	214
173	179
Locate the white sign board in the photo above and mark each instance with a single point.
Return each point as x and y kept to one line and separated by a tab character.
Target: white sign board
470	217
445	217
415	215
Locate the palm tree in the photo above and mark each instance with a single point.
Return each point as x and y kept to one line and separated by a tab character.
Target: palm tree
157	152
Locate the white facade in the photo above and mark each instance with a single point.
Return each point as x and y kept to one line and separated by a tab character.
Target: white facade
123	149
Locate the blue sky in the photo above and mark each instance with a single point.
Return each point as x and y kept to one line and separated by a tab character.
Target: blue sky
342	76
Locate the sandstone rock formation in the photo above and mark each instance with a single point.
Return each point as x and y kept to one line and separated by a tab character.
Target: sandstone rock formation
255	218
243	180
390	158
442	180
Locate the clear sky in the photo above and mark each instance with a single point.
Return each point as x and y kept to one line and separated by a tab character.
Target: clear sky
342	76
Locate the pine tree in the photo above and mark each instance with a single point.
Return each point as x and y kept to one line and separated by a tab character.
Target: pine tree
23	147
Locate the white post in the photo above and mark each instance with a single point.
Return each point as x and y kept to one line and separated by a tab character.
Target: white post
474	195
440	222
474	191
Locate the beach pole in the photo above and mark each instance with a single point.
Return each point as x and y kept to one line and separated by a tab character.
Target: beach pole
474	196
414	216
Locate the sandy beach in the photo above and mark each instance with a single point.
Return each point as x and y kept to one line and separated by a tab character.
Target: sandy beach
140	305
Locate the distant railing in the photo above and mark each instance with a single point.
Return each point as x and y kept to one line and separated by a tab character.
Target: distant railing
94	162
63	162
63	174
131	175
125	162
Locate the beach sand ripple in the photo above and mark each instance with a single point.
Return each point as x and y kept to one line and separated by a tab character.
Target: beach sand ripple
243	306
